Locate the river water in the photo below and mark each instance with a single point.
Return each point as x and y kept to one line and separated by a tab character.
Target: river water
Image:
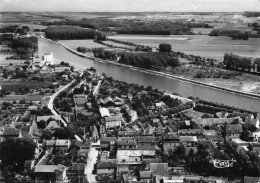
169	85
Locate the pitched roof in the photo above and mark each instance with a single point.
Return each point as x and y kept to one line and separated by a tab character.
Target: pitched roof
159	168
104	111
126	133
113	118
135	152
52	125
171	136
188	139
45	168
107	164
100	101
107	139
234	128
126	142
10	131
61	168
146	174
31	108
141	139
78	166
45	118
108	99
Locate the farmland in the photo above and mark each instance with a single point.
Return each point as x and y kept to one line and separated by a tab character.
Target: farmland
202	45
15	86
81	43
22	97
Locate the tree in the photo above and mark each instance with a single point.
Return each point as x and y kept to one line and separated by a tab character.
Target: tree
165	47
180	151
61	133
16	151
46	134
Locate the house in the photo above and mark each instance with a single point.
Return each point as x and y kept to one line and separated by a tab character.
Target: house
86	145
108	143
113	121
146	142
52	125
159	168
146	175
58	145
61	69
104	112
32	108
9	132
222	114
108	101
190	143
61	173
35	132
77	168
156	121
128	133
256	147
126	144
170	141
255	135
106	166
50	173
128	157
233	130
217	139
118	101
100	102
255	122
79	100
161	106
189	132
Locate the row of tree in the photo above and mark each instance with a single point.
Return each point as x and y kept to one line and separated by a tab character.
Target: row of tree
146	60
66	33
161	27
237	62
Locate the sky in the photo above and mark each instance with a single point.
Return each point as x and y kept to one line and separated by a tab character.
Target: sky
130	5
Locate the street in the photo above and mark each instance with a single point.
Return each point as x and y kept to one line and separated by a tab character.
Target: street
92	159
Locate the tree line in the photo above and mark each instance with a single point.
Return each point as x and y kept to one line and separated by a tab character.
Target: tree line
237	62
67	33
147	60
24	47
234	34
156	27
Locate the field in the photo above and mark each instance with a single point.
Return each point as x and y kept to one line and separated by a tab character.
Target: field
119	45
21	97
202	45
14	85
84	43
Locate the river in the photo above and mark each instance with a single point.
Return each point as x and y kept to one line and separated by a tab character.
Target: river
169	85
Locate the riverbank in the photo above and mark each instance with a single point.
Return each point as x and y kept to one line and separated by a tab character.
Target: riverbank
162	74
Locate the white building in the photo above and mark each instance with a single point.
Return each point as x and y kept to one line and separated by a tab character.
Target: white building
48	58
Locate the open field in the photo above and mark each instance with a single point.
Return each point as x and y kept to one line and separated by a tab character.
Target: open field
84	43
119	45
16	85
202	45
21	97
4	62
